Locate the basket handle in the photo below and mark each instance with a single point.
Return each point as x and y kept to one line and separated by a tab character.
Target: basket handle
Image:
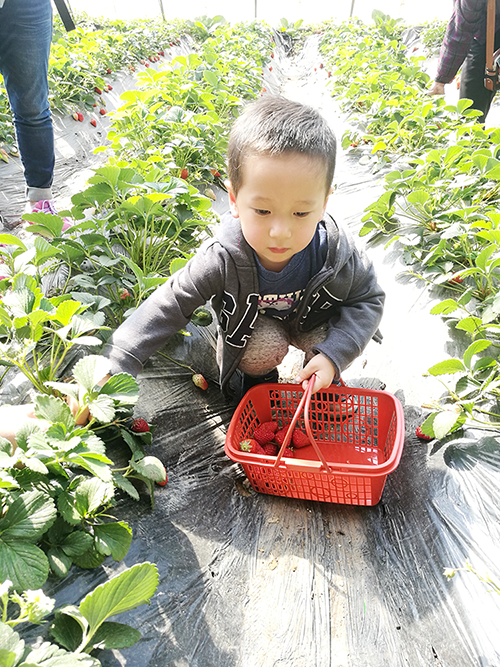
305	402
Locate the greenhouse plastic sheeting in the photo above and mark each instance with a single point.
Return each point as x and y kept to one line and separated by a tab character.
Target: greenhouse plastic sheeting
253	580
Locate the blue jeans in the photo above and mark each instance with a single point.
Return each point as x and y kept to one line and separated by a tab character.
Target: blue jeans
25	39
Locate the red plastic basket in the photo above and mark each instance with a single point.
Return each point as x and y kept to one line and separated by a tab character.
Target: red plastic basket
357	438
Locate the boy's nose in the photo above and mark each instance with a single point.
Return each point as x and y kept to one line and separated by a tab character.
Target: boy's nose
279	229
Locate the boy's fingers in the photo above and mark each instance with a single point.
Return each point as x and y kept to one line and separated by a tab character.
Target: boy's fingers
74	406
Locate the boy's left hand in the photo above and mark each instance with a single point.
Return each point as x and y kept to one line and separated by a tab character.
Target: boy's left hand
324	369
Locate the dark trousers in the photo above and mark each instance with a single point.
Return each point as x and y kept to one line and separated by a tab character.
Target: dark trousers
472	77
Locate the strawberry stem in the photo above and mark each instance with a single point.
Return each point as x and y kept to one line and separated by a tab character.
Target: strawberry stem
177	362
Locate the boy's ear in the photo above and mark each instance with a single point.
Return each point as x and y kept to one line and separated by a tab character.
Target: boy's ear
233	207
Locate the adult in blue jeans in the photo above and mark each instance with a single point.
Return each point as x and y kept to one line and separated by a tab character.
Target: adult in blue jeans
25	39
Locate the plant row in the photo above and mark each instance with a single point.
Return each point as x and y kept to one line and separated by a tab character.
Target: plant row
62	293
440	205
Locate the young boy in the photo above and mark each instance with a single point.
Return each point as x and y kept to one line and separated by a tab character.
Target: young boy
278	271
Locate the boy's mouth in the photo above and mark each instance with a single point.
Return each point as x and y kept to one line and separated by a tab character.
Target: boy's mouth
278	251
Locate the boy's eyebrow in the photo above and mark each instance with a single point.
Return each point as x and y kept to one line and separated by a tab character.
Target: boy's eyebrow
303	202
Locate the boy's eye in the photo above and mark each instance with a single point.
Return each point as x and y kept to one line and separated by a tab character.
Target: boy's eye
261	211
301	214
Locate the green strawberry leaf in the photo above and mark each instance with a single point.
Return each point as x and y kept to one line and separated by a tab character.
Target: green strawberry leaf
102	408
24	564
112	635
54	410
122	387
59	562
113	539
28	517
128	590
50	655
150	467
11	646
76	543
447	366
68	627
91	494
67	507
125	485
90	370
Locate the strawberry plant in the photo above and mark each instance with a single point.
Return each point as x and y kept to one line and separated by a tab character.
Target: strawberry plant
58	484
79	629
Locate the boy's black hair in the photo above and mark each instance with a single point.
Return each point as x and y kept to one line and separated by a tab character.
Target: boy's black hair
273	125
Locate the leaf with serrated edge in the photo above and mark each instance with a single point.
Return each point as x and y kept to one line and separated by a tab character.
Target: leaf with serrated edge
90	370
54	410
77	543
122	387
113	635
12	647
102	408
125	485
128	590
59	562
91	494
68	627
54	656
444	422
24	564
447	366
29	516
67	508
150	467
113	539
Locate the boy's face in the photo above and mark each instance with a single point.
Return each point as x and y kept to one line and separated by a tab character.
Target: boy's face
280	202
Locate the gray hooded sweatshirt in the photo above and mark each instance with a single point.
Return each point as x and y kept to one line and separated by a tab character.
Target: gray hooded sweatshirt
345	293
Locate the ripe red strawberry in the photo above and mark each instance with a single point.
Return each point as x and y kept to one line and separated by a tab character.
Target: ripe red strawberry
124	293
270	69
289	453
98	90
102	112
184	173
270	449
252	446
108	71
80	116
146	64
165	480
329	74
200	381
279	436
321	65
272	55
161	53
140	426
93	122
110	87
265	432
457	279
420	434
299	439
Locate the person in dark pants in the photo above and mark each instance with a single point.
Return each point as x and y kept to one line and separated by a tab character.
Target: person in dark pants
25	40
464	45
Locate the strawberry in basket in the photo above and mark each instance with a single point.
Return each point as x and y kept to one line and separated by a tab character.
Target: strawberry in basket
264	433
299	439
252	446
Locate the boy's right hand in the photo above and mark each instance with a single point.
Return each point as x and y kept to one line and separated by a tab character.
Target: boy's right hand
82	416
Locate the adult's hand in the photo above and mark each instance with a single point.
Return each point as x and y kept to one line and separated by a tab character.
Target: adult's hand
437	88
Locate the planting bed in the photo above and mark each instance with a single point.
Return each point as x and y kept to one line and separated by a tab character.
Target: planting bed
250	580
